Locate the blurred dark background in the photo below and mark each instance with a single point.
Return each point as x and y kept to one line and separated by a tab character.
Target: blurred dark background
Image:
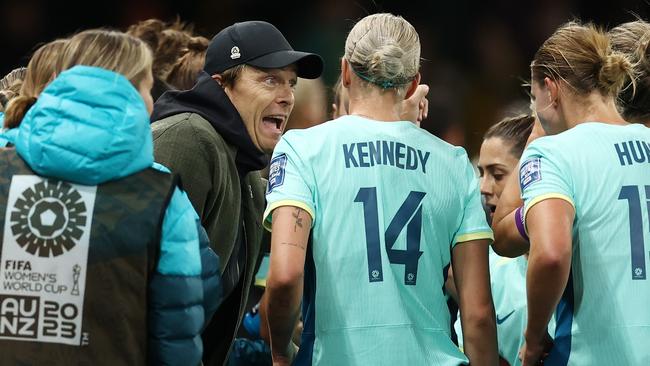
476	53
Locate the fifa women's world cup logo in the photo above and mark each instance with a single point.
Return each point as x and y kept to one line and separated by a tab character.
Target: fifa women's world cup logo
47	219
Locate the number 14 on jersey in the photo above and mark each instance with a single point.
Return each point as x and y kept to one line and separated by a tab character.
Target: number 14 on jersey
410	215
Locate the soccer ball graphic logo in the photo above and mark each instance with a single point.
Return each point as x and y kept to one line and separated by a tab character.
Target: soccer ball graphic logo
47	219
638	272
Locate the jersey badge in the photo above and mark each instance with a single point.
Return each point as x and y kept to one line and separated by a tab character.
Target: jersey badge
276	172
530	172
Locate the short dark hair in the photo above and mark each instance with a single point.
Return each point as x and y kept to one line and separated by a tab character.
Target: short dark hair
514	130
230	76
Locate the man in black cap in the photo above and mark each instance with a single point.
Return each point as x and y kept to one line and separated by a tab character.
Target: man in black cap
215	137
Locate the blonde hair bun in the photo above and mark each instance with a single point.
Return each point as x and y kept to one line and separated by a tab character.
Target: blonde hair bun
384	49
614	72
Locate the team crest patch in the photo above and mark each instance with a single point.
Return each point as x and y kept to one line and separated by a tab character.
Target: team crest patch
530	172
276	172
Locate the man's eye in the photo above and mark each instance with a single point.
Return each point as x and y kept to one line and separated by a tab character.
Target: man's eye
498	177
270	81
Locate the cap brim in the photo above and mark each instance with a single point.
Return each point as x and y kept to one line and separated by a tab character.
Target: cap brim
310	65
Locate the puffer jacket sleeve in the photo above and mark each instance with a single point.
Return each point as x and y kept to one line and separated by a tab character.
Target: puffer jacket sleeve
176	294
212	286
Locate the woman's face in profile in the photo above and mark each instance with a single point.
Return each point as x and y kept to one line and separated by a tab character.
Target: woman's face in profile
495	164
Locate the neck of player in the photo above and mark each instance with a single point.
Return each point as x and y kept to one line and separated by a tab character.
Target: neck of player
378	105
593	107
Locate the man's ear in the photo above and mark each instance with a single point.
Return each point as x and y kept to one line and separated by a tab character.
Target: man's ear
346	78
218	79
413	85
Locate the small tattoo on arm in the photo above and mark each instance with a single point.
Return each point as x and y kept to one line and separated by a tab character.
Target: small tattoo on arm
293	245
298	222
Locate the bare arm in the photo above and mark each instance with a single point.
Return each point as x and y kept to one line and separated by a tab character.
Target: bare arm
472	278
508	241
291	227
264	320
550	224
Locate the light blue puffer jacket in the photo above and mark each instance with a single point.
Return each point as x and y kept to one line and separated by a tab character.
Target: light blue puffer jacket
90	126
6	135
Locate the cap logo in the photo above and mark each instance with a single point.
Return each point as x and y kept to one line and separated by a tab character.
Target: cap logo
234	53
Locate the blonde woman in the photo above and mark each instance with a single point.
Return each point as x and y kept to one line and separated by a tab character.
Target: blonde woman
385	204
584	189
41	69
118	240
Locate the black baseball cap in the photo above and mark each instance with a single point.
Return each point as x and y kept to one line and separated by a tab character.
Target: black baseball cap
259	44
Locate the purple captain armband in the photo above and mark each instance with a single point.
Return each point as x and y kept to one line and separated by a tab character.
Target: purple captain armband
519	221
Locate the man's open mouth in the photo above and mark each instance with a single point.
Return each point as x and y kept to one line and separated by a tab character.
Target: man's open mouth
275	120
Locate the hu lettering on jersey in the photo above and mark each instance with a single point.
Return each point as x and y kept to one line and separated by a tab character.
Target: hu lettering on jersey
632	152
397	154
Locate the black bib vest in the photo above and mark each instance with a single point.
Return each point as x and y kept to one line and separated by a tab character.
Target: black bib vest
75	266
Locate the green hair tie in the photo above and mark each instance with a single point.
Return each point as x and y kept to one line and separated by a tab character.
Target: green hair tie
384	84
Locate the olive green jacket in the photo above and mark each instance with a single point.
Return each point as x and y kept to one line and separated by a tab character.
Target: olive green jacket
190	146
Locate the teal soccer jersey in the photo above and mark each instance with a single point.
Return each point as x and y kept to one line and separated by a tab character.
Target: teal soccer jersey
604	171
388	201
508	283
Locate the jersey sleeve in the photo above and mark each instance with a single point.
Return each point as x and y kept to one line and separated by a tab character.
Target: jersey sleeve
290	182
473	224
544	174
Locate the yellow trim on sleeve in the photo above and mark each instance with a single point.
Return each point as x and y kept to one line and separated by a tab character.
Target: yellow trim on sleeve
260	282
543	197
475	236
267	213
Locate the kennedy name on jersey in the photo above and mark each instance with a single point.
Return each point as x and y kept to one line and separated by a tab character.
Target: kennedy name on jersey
371	153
